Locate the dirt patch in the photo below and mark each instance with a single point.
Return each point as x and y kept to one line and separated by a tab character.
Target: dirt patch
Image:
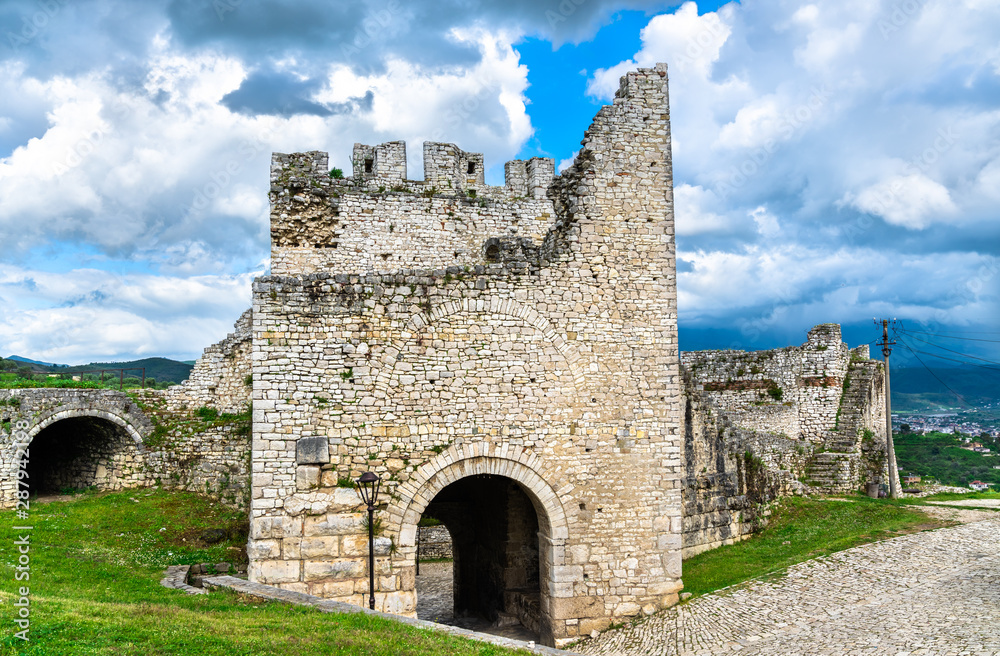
952	515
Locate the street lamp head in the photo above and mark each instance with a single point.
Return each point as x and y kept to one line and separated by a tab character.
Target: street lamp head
368	485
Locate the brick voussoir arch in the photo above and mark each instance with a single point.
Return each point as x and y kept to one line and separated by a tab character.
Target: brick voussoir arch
505	307
461	461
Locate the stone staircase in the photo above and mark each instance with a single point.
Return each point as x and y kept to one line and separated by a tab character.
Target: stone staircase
833	472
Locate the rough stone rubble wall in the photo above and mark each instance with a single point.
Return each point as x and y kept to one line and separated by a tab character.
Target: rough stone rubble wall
540	345
204	455
811	417
377	222
220	377
435	542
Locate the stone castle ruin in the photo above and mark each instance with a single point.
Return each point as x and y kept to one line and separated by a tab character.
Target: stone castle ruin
763	424
505	358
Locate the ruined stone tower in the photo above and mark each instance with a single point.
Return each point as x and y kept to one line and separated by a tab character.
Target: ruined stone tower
504	358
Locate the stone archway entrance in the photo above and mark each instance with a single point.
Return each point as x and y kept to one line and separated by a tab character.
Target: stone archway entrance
495	572
77	452
474	480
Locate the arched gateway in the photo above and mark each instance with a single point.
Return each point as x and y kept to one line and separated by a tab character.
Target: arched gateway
502	357
71	439
507	525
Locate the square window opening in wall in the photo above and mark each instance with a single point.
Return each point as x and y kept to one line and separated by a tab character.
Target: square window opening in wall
369	164
472	168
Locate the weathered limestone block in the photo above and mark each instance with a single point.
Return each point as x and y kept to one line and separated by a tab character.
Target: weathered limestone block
312	451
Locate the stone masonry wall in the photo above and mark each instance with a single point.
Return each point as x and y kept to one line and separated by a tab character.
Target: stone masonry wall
380	223
545	352
201	436
435	542
811	418
733	474
794	390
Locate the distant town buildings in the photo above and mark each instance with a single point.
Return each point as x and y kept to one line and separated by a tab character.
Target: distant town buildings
944	423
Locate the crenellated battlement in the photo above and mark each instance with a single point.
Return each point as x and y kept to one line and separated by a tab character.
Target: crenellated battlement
448	171
377	220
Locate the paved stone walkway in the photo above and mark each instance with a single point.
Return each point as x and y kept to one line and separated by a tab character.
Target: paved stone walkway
936	592
271	593
976	503
435	603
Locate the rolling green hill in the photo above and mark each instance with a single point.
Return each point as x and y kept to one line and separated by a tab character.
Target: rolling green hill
163	370
916	389
939	456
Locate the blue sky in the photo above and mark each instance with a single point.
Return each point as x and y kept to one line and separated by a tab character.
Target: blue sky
833	160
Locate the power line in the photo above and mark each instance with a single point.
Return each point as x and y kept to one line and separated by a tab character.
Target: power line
957	395
944	348
966	339
941	357
960	332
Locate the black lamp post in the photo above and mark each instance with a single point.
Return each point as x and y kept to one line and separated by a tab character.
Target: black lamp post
368	485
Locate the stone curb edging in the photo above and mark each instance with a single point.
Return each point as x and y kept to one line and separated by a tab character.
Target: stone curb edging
176	577
271	593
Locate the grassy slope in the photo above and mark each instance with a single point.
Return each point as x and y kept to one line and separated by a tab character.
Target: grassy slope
801	529
938	456
96	563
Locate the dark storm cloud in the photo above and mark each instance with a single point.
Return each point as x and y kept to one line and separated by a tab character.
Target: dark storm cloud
279	94
343	32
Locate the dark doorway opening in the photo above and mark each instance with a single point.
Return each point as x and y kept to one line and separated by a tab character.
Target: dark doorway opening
76	453
495	571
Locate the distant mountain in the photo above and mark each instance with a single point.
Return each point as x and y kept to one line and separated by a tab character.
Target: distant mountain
916	388
163	370
18	358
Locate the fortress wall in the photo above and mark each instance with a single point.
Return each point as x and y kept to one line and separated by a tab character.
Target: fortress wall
794	390
220	378
732	474
763	424
546	356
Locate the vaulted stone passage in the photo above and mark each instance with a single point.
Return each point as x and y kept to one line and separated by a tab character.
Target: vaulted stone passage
494	529
79	452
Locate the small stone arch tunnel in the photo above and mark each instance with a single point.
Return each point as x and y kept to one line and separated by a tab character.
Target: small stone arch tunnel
509	533
70	439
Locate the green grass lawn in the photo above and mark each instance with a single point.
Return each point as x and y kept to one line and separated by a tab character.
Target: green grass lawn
96	563
801	529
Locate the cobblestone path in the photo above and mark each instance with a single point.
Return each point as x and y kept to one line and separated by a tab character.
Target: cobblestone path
435	603
936	592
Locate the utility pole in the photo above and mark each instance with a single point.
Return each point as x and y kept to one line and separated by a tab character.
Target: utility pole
887	345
